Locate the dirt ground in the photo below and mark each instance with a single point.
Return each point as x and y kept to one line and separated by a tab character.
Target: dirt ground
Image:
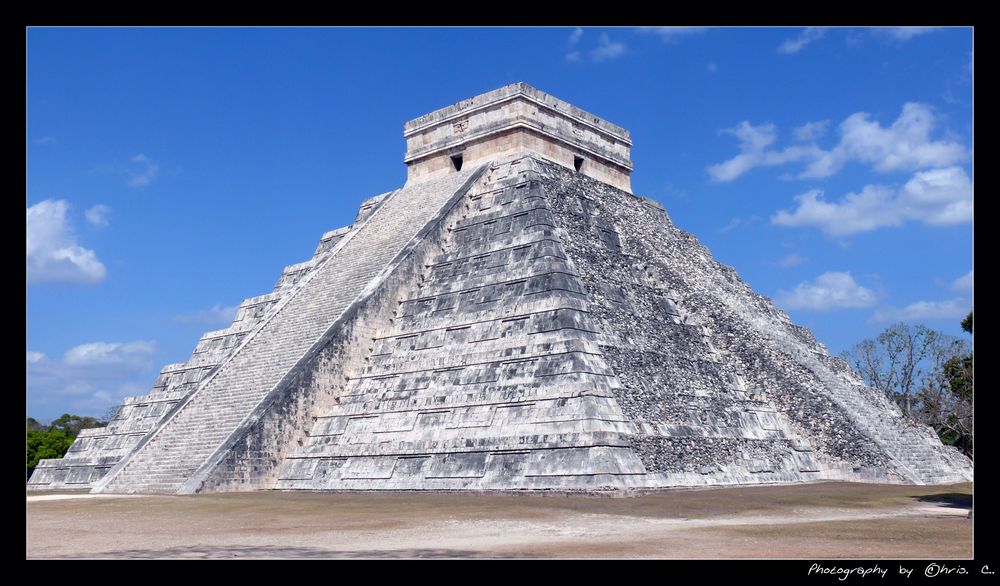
825	520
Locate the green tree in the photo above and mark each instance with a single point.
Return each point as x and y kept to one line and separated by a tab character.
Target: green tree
54	439
948	401
967	323
46	444
72	424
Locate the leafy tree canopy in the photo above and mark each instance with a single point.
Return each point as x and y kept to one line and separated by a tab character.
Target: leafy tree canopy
54	439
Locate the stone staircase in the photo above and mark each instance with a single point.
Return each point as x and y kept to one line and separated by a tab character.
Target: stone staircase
910	445
96	451
168	458
917	454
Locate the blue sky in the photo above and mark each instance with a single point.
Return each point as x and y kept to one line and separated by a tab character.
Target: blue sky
172	173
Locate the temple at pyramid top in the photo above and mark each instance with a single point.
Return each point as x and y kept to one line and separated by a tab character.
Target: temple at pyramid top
513	119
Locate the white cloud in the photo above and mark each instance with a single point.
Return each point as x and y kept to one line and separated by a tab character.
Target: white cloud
669	34
905	33
857	212
97	215
796	44
607	49
97	353
792	259
830	290
33	357
44	140
962	284
811	131
754	141
939	197
574	37
89	378
712	67
753	138
214	316
906	145
53	254
925	310
573	55
143	177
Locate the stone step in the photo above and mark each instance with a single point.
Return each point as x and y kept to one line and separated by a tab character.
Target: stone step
222	402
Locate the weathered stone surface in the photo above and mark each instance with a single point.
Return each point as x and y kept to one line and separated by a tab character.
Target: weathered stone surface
512	120
518	324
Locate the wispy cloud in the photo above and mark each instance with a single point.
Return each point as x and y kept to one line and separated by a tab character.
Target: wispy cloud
572	53
905	145
144	171
607	49
796	44
938	197
44	140
754	152
33	357
905	33
712	67
91	377
671	34
98	216
792	259
215	316
53	254
925	310
811	131
737	222
832	290
962	284
101	353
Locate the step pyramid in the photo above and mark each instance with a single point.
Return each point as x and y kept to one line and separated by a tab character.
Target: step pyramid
512	318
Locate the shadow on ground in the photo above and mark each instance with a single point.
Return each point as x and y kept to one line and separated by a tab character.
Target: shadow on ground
952	500
236	552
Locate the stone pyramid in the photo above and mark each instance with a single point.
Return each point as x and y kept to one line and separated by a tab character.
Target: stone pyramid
512	318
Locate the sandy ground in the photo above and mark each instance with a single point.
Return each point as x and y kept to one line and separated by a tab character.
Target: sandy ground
825	520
